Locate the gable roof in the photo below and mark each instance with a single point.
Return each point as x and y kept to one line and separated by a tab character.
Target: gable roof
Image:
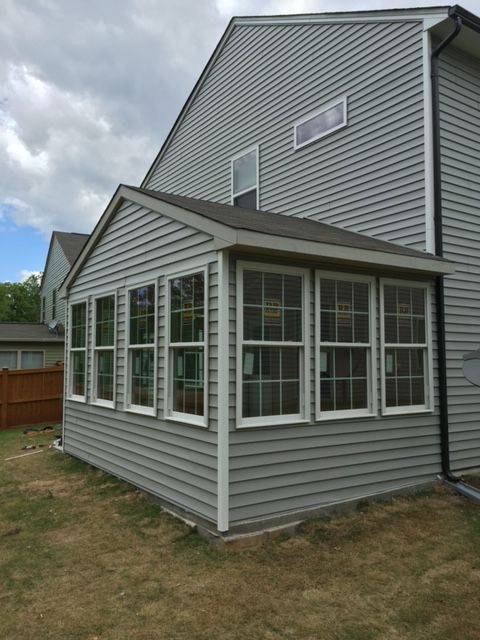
431	16
240	228
71	243
27	332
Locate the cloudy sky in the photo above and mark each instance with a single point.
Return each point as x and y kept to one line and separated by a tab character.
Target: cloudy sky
88	91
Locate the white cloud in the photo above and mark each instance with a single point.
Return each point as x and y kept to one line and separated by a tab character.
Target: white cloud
25	274
89	90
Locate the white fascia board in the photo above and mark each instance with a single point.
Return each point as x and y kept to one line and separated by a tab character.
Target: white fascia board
434	16
194	220
345	254
222	233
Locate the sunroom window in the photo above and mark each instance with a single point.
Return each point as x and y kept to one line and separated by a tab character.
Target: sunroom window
245	179
271	345
344	351
406	348
326	120
187	347
141	348
78	349
104	351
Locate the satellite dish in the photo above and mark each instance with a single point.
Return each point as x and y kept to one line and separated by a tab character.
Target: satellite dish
471	367
53	326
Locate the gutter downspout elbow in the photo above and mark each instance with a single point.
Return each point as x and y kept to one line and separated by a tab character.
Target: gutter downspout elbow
439	284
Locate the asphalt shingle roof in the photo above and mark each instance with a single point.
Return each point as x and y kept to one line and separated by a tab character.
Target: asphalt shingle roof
27	332
71	243
283	225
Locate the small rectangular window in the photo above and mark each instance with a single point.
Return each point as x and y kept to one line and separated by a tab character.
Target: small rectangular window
141	348
345	367
31	359
78	347
187	347
104	350
245	180
406	347
326	120
8	359
271	345
54	304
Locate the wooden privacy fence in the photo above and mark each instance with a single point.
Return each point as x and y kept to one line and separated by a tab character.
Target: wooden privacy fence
30	396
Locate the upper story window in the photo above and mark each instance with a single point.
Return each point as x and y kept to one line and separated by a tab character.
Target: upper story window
326	120
104	350
271	344
187	347
245	179
54	304
141	348
406	358
78	350
345	338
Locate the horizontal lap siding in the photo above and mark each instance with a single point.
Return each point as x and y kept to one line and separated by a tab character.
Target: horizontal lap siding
460	141
279	470
56	272
173	461
368	177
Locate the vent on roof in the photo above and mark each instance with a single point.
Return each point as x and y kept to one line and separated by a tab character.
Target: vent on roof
54	326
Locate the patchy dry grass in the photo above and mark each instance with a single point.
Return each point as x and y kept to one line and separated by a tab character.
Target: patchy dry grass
84	556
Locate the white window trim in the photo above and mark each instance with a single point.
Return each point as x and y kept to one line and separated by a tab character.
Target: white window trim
233	194
291	419
317	112
71	395
371	410
94	400
428	358
128	406
168	413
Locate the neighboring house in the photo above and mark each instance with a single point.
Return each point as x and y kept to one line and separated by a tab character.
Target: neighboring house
64	249
29	345
248	367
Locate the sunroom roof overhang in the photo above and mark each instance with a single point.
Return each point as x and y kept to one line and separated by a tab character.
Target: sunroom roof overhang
292	248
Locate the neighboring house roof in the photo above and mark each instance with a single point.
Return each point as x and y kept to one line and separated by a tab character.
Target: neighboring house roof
236	227
434	18
71	243
27	332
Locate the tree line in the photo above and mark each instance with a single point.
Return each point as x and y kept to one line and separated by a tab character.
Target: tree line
20	301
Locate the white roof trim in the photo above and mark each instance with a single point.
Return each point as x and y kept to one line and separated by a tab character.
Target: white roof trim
225	236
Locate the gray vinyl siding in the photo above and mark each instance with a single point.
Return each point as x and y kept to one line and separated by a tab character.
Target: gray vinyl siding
56	271
52	353
174	461
460	143
368	177
279	470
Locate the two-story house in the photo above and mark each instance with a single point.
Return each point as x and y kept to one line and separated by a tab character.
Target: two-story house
274	322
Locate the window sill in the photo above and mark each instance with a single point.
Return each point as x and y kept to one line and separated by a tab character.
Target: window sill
405	411
103	403
142	411
82	399
191	422
292	421
343	415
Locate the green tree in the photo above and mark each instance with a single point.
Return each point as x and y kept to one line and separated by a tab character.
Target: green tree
20	301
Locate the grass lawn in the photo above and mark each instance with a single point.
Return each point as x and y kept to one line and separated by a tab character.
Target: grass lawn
84	556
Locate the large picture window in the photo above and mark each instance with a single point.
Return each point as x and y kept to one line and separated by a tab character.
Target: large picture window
405	331
271	344
187	347
245	179
141	348
78	350
345	368
104	350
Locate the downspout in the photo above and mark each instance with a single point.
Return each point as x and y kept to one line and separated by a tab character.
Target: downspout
439	285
